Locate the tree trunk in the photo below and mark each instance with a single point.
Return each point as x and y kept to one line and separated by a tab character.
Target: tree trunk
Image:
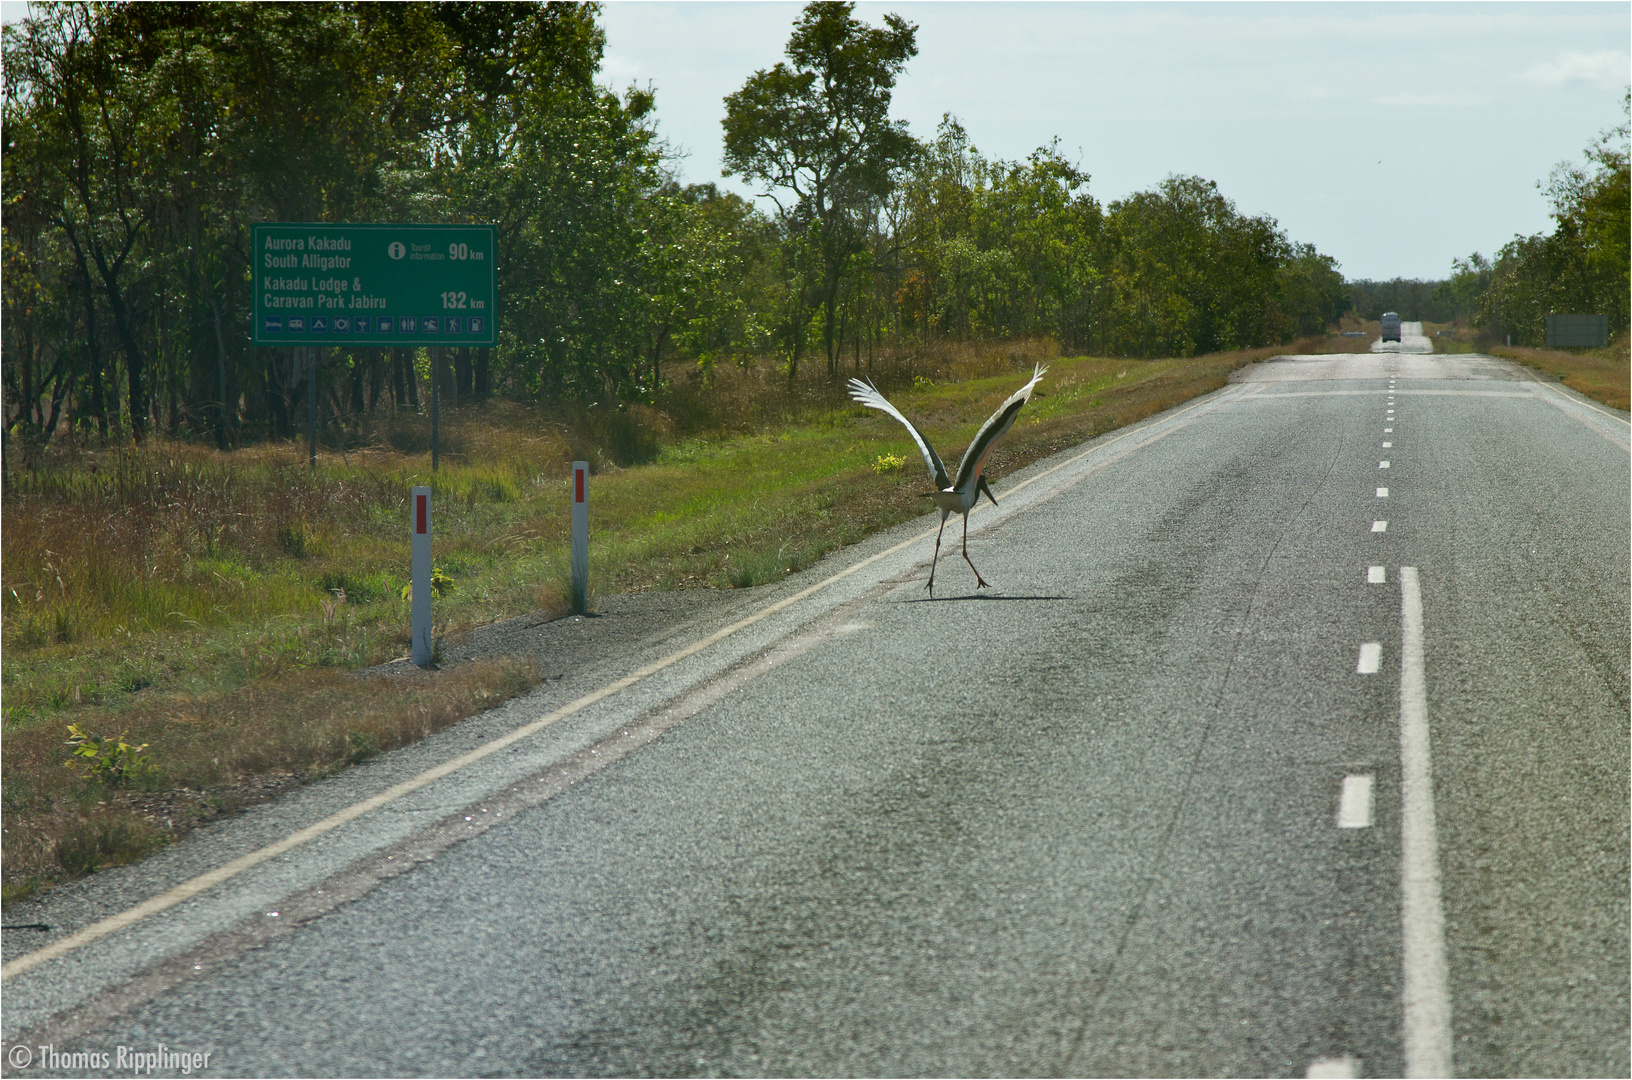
376	380
463	374
411	376
399	385
221	434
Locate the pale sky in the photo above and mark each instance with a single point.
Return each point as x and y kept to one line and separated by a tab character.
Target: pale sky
1393	136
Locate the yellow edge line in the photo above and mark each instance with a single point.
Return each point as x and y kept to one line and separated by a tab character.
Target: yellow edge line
191	888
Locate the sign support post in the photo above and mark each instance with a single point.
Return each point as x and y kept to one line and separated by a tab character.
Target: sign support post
311	404
419	523
580	537
402	285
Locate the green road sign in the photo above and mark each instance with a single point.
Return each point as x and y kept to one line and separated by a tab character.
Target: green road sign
320	284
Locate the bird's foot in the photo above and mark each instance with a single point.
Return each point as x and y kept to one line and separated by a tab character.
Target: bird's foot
980	582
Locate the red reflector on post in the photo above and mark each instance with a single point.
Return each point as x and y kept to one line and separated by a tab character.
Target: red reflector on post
578	490
421	512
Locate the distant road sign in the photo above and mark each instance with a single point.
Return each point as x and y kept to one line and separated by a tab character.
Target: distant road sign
1577	331
322	284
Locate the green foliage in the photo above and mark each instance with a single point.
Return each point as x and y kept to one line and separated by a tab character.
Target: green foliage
1581	267
817	129
89	845
441	585
143	140
107	760
1412	298
888	463
360	746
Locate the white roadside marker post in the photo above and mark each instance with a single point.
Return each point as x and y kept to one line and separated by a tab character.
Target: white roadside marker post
420	523
580	537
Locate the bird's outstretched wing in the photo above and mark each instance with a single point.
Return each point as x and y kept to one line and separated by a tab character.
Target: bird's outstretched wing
1001	420
868	395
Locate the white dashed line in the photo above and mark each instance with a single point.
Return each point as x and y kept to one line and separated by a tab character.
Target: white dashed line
1382	493
1379	526
1371	658
1388	446
1388	431
1382	464
1338	1068
1376	575
1354	804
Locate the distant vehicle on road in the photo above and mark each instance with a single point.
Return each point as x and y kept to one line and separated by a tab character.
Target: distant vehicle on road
1391	326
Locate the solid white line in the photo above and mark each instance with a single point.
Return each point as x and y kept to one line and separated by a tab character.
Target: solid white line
1339	1068
1376	575
1462	393
1382	493
1367	393
1379	526
208	880
1371	658
1558	399
1354	803
1426	997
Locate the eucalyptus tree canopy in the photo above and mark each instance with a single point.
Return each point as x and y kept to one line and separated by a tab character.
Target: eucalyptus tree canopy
817	130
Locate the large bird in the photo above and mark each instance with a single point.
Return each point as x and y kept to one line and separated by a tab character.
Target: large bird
958	495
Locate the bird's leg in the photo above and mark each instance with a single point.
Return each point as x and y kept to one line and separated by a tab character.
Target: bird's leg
982	581
932	562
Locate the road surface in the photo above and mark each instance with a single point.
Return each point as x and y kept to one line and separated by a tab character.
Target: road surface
1291	739
1412	341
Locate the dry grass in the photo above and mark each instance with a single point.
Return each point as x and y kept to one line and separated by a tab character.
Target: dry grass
214	754
207	603
1602	374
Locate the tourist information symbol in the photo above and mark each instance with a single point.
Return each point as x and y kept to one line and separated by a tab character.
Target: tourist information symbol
321	284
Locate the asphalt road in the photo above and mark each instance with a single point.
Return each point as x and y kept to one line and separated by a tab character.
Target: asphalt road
1137	810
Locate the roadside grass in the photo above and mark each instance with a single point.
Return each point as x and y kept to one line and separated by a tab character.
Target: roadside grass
215	753
207	604
1603	374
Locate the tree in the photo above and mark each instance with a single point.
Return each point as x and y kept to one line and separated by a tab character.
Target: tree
817	129
1192	275
1311	291
1582	266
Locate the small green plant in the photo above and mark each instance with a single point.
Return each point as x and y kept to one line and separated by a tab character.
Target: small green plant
360	746
292	537
888	463
441	585
106	760
88	845
922	382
